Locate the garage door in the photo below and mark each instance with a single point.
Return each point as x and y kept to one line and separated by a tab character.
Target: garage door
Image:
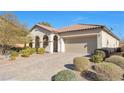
81	44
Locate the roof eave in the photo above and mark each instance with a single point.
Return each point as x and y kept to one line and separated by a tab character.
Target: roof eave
109	31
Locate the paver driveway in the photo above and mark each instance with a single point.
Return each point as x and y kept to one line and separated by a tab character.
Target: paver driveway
37	67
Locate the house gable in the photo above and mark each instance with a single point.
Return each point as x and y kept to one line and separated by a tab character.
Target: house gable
39	31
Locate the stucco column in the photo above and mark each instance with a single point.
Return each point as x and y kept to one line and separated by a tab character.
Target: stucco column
59	43
41	42
99	41
62	45
51	43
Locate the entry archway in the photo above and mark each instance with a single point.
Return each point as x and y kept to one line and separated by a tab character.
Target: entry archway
55	43
45	41
37	42
30	44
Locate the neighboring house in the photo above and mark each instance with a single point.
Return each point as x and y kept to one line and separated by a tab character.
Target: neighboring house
80	38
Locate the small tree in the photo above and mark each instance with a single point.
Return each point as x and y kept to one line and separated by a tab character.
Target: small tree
46	24
11	32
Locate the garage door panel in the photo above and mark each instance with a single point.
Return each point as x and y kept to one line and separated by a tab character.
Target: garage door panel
81	44
74	48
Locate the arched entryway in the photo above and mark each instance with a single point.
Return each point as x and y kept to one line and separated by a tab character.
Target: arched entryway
30	44
37	42
55	43
45	41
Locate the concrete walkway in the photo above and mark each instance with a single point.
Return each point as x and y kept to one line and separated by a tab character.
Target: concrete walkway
37	67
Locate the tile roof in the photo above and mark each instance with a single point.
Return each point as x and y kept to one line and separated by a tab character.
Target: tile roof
78	27
47	28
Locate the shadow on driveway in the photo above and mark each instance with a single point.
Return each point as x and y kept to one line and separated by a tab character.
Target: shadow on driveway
69	66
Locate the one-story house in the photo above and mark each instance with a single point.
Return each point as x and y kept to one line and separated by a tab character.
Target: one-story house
79	38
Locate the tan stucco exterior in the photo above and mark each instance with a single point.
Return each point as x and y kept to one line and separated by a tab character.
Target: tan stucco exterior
78	41
109	41
40	33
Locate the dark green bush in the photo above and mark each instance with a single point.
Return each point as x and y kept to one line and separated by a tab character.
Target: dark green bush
64	75
118	60
81	63
97	58
40	51
100	53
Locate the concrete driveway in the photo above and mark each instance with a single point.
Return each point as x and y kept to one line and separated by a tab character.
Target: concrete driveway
37	67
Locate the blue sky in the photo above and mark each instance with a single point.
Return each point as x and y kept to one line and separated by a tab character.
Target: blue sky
112	19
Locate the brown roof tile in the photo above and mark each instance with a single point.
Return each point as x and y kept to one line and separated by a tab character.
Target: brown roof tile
47	28
78	27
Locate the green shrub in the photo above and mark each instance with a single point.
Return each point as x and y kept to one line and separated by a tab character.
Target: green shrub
25	53
41	51
118	60
64	75
100	53
97	59
31	50
81	63
13	55
107	71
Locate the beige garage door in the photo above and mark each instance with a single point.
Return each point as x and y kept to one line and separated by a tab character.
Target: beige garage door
81	44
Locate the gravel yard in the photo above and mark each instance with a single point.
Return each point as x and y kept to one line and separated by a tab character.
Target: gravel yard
37	67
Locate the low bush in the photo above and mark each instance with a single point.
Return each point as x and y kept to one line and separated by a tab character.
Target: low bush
97	58
118	60
25	53
100	53
64	75
31	50
13	55
40	51
81	63
107	71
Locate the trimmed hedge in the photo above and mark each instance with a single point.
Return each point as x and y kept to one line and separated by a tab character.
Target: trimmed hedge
64	75
81	63
100	53
118	60
27	52
40	51
97	58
